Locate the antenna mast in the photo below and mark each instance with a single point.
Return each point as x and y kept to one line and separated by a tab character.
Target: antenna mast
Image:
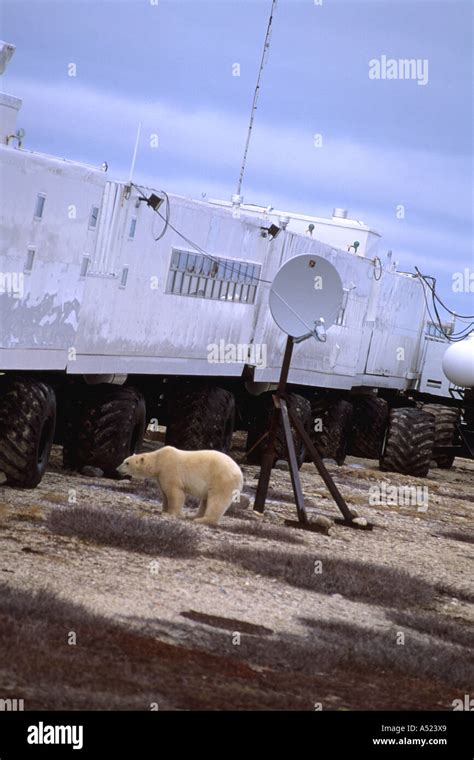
134	158
256	94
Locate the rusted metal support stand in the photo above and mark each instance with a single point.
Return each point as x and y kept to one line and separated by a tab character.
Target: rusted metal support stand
282	412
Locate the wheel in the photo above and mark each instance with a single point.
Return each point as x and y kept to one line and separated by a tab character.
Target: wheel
200	417
27	423
331	428
256	450
107	424
368	427
446	418
409	442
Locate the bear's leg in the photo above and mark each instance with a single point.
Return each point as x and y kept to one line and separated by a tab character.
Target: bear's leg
165	503
217	504
175	498
202	508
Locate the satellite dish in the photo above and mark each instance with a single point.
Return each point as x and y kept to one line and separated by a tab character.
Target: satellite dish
305	294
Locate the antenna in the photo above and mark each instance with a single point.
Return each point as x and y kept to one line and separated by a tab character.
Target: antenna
134	158
304	300
266	47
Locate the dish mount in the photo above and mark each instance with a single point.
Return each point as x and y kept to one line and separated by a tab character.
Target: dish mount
305	298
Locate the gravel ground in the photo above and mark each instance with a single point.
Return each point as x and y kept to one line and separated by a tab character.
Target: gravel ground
106	604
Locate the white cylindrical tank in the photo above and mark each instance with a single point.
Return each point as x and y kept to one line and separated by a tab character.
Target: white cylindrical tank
458	362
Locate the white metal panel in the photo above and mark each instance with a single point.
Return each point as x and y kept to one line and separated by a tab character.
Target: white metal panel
433	379
399	317
44	311
142	320
330	364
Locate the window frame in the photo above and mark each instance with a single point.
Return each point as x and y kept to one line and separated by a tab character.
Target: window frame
42	197
30	255
132	228
212	278
124	278
85	264
96	217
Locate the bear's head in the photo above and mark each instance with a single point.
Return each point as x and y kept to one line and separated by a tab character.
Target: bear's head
135	467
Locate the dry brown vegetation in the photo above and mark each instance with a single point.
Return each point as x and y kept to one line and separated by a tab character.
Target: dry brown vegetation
251	615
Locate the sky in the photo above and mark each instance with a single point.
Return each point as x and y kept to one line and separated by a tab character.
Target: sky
396	152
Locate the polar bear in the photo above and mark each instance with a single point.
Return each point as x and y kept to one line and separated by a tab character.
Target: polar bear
212	477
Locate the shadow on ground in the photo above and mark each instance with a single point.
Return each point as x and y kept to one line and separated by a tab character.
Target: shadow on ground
113	667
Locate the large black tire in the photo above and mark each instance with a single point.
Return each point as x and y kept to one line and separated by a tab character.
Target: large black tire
334	417
368	426
200	418
408	446
107	424
27	423
301	406
446	418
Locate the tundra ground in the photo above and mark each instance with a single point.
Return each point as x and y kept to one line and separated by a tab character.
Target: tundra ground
106	604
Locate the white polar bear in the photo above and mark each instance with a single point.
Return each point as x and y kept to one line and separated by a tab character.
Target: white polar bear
210	476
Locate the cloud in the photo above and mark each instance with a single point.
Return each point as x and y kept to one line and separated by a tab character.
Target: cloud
280	157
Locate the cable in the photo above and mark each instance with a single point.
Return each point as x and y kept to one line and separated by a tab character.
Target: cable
454	336
455	314
435	296
432	288
451	337
167	218
379	267
216	261
227	266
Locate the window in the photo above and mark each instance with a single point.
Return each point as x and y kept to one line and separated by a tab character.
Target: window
85	265
202	276
30	258
39	207
123	280
93	217
133	227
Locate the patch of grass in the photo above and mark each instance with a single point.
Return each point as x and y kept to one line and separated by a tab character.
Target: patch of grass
346	642
110	527
4	511
55	498
362	581
434	624
31	513
460	496
418	673
100	672
112	667
115	667
458	535
357	474
458	593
